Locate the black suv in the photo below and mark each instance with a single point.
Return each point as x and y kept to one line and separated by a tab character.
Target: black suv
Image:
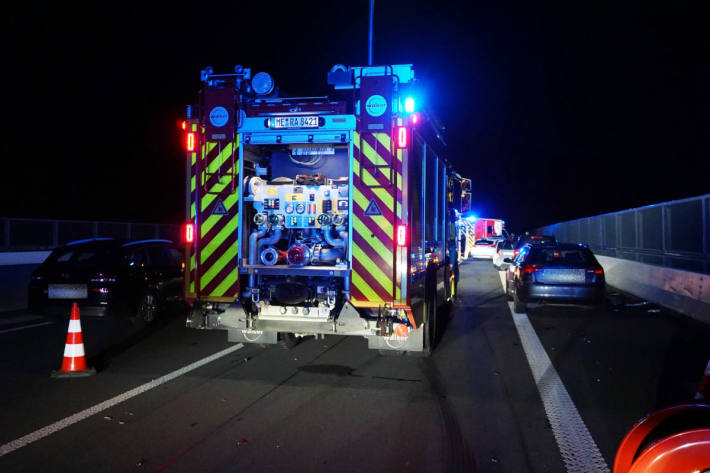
109	277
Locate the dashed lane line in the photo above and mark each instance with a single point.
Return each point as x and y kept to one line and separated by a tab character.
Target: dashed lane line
79	416
577	447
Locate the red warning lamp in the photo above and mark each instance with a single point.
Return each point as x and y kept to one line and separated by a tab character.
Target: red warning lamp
401	235
189	232
402	134
190	141
415	119
183	125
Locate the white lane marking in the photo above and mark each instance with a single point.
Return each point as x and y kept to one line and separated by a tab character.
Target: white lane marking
25	326
579	451
79	416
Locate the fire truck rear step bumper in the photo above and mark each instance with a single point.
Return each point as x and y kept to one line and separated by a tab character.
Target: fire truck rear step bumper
349	323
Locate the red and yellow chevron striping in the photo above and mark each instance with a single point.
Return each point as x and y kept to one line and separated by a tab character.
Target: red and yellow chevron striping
377	177
214	180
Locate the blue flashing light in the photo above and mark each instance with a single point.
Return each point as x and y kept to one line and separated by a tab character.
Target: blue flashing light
471	218
409	105
88	240
140	242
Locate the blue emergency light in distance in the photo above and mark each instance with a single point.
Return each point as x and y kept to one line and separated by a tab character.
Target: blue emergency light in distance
471	218
409	105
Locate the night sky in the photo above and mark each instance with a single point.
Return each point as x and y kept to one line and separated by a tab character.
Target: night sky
555	112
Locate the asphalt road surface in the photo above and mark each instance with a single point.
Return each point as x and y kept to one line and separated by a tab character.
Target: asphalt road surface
331	405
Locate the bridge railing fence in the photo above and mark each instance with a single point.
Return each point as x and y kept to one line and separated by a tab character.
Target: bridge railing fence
671	234
24	234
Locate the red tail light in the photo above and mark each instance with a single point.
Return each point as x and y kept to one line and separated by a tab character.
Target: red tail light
401	235
189	232
530	268
402	136
190	141
595	270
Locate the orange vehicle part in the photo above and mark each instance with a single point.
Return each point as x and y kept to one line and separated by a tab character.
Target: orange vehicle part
675	439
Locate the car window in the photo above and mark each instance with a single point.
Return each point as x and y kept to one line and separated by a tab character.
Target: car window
135	258
506	245
62	256
483	242
174	257
576	257
165	257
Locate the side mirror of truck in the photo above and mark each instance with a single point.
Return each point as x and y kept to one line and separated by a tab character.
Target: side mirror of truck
466	202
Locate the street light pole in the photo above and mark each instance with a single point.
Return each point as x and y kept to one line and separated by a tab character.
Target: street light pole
372	15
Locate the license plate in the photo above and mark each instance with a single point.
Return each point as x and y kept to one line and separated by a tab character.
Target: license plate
563	276
67	291
293	122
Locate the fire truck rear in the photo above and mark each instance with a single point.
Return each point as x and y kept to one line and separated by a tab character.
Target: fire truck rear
312	216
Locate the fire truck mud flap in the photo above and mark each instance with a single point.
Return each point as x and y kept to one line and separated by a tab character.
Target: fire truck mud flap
246	335
414	341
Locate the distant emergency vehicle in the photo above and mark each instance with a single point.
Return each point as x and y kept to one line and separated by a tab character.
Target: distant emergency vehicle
314	216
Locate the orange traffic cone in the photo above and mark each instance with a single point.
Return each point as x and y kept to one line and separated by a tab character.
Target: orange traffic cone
703	393
74	362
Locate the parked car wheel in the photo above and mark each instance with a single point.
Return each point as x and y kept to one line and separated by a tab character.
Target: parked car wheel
147	308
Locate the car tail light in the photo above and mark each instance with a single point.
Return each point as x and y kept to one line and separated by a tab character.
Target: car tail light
189	232
401	235
530	268
596	270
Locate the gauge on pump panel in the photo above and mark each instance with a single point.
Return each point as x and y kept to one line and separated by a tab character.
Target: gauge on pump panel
338	219
300	208
289	208
324	219
260	219
276	219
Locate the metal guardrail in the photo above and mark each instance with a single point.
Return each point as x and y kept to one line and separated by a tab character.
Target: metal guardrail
672	234
23	234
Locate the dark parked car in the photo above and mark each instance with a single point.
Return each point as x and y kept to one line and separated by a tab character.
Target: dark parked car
109	277
533	240
561	272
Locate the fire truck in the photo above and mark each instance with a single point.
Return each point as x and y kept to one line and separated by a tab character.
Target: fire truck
311	216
